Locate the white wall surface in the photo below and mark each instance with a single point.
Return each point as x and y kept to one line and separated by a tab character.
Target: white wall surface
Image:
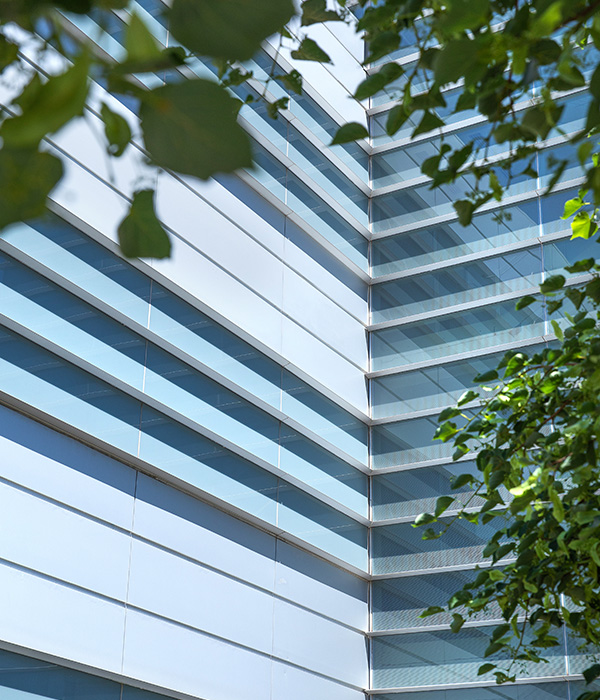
109	568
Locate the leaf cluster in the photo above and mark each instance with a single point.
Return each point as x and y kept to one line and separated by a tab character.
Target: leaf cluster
535	436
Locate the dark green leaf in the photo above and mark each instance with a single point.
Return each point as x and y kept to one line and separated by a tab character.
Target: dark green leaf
590	674
457	622
454	60
581	266
229	29
524	302
191	127
396	118
485	668
381	45
314	11
376	82
117	131
424	519
141	234
49	107
442	504
489	376
350	132
292	81
464	208
461	480
26	179
552	284
429	122
8	52
309	50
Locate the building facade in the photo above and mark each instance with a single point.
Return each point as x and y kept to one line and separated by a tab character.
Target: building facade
210	465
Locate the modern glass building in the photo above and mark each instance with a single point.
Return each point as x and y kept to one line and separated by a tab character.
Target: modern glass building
209	465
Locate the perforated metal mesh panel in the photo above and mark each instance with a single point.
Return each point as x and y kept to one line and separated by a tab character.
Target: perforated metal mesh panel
397	548
397	603
438	658
539	691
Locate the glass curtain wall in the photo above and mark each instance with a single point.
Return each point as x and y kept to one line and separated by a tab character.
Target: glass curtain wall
443	310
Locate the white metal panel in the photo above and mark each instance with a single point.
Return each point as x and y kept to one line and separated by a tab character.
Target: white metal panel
186	525
187	592
181	659
319	586
319	644
47	616
64	469
52	540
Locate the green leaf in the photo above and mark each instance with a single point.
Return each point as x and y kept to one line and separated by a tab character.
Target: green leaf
524	302
552	284
26	179
141	234
229	29
442	504
396	118
191	127
464	208
429	122
581	266
557	330
489	376
432	610
48	107
467	397
309	50
571	206
139	43
424	519
558	510
117	131
445	431
595	83
454	60
349	132
457	622
9	52
461	480
314	11
292	81
461	15
485	668
590	674
583	226
381	45
376	82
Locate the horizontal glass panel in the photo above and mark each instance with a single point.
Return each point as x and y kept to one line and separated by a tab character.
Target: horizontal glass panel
379	136
407	441
401	547
433	387
432	244
398	603
414	491
303	201
415	204
476	280
48	383
112	280
440	658
463	331
393	167
82	330
522	691
459	284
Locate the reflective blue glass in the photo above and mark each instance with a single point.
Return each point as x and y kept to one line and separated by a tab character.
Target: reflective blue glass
440	242
450	334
